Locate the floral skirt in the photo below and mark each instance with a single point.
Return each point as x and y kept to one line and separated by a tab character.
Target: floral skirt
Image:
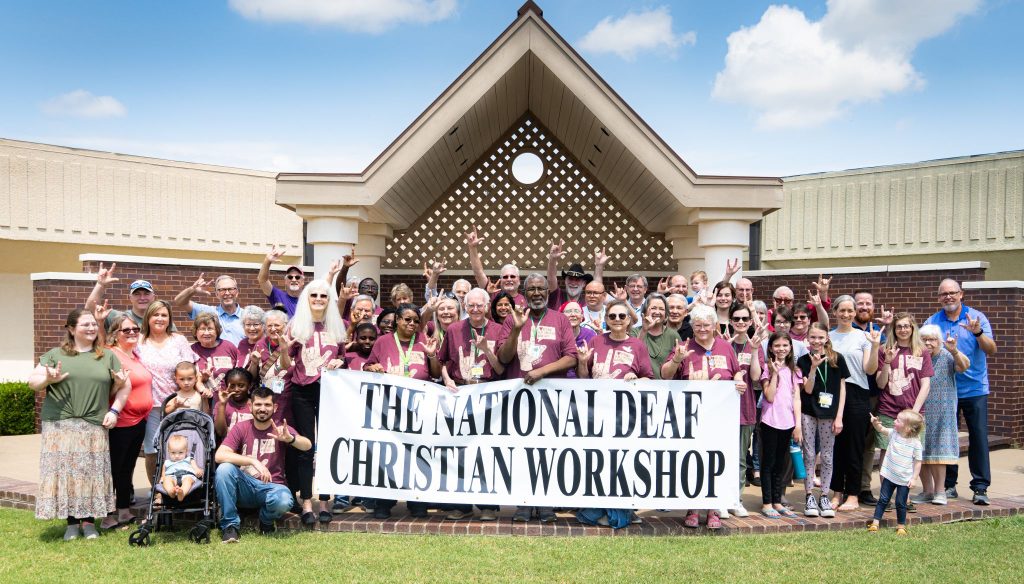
74	471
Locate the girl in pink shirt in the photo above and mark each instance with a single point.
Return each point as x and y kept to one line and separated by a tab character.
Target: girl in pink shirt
780	421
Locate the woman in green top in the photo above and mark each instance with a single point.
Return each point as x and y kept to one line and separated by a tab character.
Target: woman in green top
660	340
78	379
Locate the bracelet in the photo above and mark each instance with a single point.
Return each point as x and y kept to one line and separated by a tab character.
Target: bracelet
115	411
978	334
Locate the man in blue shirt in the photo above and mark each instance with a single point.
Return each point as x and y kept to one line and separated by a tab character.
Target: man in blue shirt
973	335
228	312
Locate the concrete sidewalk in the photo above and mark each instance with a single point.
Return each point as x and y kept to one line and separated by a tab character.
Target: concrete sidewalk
19	460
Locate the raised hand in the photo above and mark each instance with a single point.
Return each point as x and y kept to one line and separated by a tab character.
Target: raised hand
650	322
950	343
886	318
556	252
120	377
482	345
333	269
600	257
518	316
619	293
105	277
53	374
814	297
822	285
680	353
973	325
255	356
286	340
204	390
584	352
890	354
200	284
274	255
348	293
223	395
732	267
773	366
595	323
430	346
101	312
281	433
472	239
817	359
492	287
875	337
663	286
350	260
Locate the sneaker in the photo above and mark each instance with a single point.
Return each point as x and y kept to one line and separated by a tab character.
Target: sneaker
325	516
866	498
267	528
546	515
89	531
340	505
603	521
72	532
522	514
419	514
381	513
723	513
488	515
940	499
229	534
811	507
951	493
825	507
692	519
739	510
755	481
980	497
922	498
635	519
911	507
458	515
309	518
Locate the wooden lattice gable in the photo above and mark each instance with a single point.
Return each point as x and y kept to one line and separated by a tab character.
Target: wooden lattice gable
518	221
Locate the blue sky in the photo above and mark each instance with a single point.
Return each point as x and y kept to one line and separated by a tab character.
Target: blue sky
736	87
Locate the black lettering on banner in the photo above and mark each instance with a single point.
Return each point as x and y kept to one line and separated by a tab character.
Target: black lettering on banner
406	464
647	401
697	468
443	450
716	466
540	467
370	389
691	400
531	412
643	474
362	456
502	466
618	486
577	472
460	462
550	409
334	460
504	413
670	420
479	475
572	417
662	471
468	418
626	421
386	466
595	464
426	471
446	410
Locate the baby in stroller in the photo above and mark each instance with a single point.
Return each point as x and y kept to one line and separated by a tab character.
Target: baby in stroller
180	470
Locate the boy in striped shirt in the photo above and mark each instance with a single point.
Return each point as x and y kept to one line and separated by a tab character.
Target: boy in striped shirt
901	466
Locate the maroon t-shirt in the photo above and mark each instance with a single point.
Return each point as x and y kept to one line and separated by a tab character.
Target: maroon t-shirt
703	364
244	348
559	297
748	407
387	353
245	439
905	374
355	361
220	359
519	299
552	340
310	359
239	411
613	359
459	355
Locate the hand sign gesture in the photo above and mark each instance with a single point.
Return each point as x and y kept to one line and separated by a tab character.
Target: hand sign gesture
584	353
663	286
822	285
53	374
556	253
200	283
886	318
600	257
120	377
274	255
875	337
492	287
814	297
518	316
817	359
731	268
281	433
773	366
348	293
472	239
890	354
350	260
973	325
650	321
619	293
741	386
595	323
223	395
105	277
481	344
680	353
101	312
950	343
430	346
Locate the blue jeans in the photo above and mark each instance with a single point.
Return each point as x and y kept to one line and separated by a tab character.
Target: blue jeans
237	489
975	411
902	492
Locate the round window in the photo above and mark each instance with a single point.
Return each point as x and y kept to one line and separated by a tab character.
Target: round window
527	168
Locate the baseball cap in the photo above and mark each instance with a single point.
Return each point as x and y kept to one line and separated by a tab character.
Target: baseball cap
296	268
140	284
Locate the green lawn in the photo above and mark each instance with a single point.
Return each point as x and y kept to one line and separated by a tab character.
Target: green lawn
983	551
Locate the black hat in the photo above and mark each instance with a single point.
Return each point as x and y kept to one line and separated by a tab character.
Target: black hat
576	271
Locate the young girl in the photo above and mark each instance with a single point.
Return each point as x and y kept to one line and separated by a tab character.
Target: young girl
191	391
365	336
780	422
900	467
821	406
233	401
180	470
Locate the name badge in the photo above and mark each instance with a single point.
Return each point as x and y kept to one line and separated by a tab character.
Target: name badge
912	362
622	358
277	385
416	358
718	362
743	358
545	333
222	363
824	400
477	371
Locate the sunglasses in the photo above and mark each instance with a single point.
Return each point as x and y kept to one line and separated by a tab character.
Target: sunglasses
784	300
131	331
296	278
509	277
325	296
410	319
741	319
617	316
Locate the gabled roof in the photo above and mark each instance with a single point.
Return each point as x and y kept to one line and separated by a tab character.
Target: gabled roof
529	68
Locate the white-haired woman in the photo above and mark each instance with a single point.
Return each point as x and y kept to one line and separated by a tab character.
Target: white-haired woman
706	356
941	441
317	335
254	321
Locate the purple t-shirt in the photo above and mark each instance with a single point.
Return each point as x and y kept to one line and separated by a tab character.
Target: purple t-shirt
552	340
219	360
905	375
581	339
387	353
245	439
613	359
309	360
279	296
748	407
459	355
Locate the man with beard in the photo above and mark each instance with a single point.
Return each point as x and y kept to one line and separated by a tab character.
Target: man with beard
294	280
864	319
575	278
973	334
534	344
509	279
250	471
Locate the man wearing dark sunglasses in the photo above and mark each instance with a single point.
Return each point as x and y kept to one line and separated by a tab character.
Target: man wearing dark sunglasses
294	280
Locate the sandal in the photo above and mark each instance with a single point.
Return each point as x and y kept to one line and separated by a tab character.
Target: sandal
770	513
786	513
872	528
692	519
714	520
901	531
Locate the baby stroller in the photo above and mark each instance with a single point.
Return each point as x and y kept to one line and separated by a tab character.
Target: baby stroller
199	429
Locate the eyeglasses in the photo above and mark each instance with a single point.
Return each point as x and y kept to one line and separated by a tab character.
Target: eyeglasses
616	316
475	306
741	319
904	326
252	325
533	289
410	319
801	317
449	294
293	277
948	294
593	292
227	289
784	300
324	296
131	331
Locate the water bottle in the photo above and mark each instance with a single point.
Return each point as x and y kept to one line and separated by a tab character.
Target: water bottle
798	460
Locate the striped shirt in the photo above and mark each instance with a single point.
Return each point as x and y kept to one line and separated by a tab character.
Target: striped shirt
898	465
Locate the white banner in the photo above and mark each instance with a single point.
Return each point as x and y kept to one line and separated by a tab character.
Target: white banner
560	442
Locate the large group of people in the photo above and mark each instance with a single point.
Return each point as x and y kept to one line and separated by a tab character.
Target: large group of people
831	376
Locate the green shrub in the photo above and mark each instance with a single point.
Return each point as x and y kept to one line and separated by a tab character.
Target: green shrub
17	409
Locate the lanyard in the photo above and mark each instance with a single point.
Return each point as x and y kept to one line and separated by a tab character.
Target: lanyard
404	356
473	337
535	325
823	377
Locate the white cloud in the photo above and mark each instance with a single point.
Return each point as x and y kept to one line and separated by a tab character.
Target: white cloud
82	104
799	73
634	33
370	16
